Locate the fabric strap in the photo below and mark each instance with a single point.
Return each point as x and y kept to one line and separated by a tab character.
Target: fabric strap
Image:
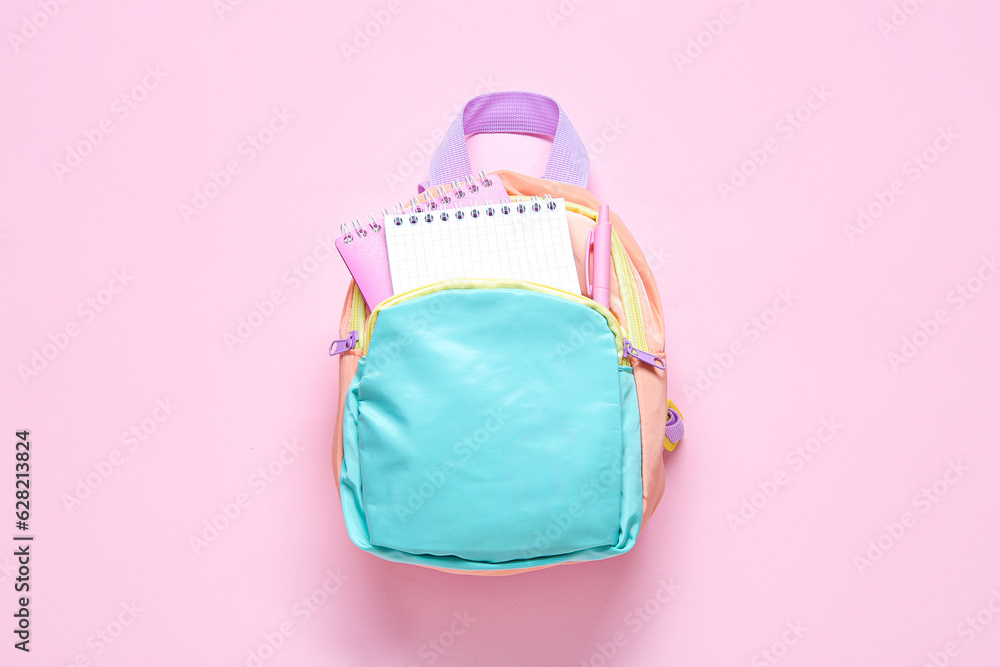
512	112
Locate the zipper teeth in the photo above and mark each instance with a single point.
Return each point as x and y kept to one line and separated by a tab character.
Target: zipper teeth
357	309
623	269
634	308
494	284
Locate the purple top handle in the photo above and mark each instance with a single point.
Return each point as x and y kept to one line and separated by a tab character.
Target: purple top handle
512	112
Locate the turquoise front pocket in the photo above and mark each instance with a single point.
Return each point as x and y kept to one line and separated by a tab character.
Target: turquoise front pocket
492	428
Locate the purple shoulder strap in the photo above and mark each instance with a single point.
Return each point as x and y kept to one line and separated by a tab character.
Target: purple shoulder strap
512	112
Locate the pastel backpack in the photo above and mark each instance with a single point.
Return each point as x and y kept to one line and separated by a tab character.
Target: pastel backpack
493	427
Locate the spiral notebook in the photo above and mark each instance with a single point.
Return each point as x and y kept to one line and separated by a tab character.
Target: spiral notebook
363	246
523	240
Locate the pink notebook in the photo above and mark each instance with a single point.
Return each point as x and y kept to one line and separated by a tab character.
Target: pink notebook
363	247
364	251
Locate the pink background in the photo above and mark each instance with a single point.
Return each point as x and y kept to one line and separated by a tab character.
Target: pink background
663	137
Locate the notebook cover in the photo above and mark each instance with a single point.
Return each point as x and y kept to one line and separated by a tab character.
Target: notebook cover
367	259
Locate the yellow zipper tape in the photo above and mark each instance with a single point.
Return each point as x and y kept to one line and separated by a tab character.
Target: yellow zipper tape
633	307
494	284
357	309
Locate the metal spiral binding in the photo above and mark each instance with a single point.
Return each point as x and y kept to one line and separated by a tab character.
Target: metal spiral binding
356	229
436	198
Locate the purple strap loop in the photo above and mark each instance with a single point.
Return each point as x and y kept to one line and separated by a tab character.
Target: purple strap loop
674	430
512	112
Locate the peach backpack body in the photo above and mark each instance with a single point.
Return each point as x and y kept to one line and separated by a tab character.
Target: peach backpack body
497	426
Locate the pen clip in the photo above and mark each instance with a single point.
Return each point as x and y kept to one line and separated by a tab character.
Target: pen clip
586	268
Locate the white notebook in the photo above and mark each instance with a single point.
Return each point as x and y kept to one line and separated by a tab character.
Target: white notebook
520	240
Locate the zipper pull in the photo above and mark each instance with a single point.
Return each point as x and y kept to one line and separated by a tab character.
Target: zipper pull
343	344
631	350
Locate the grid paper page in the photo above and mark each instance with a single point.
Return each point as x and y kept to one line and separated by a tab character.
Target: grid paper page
468	242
